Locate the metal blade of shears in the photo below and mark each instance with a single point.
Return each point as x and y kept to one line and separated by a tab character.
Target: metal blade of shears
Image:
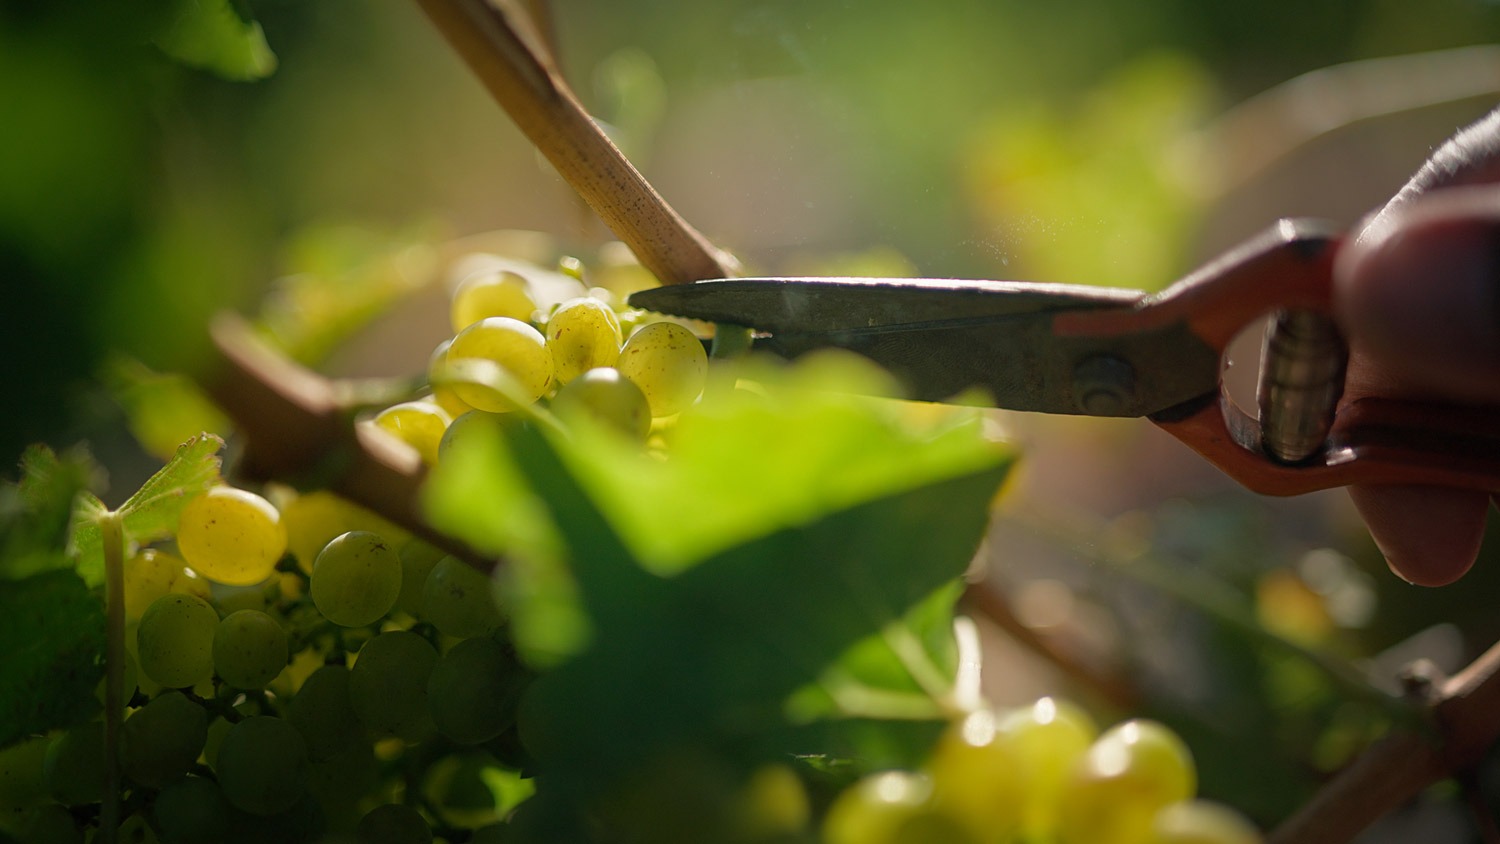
944	337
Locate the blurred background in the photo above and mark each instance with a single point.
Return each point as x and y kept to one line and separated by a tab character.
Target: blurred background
336	149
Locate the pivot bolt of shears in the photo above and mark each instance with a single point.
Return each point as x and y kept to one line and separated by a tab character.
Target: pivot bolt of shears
1104	385
1301	379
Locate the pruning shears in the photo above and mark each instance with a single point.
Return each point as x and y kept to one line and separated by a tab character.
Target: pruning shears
1092	351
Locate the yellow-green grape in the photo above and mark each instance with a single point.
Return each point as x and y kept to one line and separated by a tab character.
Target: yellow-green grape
516	348
459	600
315	518
51	825
1045	739
322	712
582	334
356	579
772	803
388	685
250	649
606	396
499	294
1130	773
341	782
417	561
262	765
193	810
162	739
133	830
975	778
151	574
393	823
419	424
175	641
474	691
1202	822
74	767
669	365
22	779
231	536
874	810
442	394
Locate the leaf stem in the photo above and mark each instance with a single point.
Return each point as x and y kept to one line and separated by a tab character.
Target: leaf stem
112	534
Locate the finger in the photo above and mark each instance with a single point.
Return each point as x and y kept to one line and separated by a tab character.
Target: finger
1430	536
1419	298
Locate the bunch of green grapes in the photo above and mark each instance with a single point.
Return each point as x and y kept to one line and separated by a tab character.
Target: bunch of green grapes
583	359
280	699
1043	775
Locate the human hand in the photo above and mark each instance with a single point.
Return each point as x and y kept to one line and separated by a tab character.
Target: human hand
1417	294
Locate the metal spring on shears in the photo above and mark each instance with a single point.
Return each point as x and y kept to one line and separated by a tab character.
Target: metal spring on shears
1301	379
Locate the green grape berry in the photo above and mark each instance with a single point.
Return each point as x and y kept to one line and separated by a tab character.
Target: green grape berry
388	685
52	824
976	778
497	294
474	690
323	713
1202	822
582	334
669	365
393	823
875	809
313	519
517	348
419	424
417	561
356	579
1128	774
151	574
459	600
608	397
250	649
73	770
262	765
1046	739
442	394
231	536
193	810
162	739
175	640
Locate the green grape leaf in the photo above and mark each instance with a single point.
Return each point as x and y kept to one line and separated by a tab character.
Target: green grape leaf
162	410
152	512
212	35
853	526
35	511
52	635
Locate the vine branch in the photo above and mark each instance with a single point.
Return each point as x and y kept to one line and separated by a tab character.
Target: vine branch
500	46
1459	729
294	430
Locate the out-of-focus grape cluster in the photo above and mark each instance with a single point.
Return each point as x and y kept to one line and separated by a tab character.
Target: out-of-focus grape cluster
1040	774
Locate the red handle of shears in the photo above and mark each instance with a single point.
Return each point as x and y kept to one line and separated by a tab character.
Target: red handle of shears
1372	441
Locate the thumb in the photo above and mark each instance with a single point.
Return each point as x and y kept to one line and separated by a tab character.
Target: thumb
1418	295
